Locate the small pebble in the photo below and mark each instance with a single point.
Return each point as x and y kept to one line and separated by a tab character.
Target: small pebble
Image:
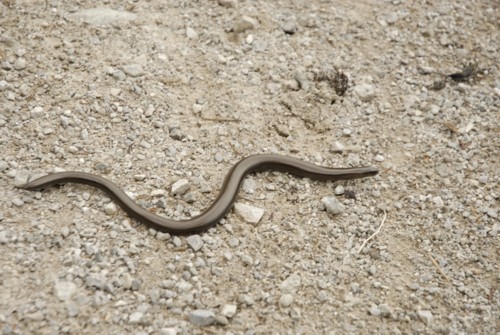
290	27
20	64
180	187
64	290
110	208
365	92
291	284
248	213
228	310
133	70
135	318
195	242
339	190
202	317
332	205
286	300
191	33
426	316
249	186
244	23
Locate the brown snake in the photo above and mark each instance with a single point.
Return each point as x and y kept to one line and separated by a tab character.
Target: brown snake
224	200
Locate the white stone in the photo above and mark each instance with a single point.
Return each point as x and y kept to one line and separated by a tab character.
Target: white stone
133	70
291	284
135	318
195	242
365	92
332	205
248	213
168	331
339	190
286	300
64	290
180	187
191	33
228	310
202	317
110	208
426	316
102	16
248	186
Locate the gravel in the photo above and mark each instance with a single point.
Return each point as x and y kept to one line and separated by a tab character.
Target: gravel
151	93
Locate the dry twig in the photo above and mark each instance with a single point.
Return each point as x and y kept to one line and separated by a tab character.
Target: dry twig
374	234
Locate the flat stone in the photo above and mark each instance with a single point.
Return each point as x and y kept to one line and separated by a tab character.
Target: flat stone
286	300
426	316
248	213
365	92
133	70
228	310
332	205
64	290
244	23
102	16
202	317
110	208
180	187
195	242
291	284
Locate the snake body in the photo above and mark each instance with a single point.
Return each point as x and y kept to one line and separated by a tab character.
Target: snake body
224	200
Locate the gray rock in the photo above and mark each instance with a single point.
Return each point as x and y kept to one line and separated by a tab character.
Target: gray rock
382	310
221	319
339	190
93	281
442	170
228	310
180	187
291	284
248	186
133	70
301	78
176	134
191	33
110	208
21	177
102	16
392	17
290	27
3	166
365	92
64	290
135	318
426	316
244	23
202	317
168	331
286	300
72	309
332	205
248	213
18	202
20	64
195	242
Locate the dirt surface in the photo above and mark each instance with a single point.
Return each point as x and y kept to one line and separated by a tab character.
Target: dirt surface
147	93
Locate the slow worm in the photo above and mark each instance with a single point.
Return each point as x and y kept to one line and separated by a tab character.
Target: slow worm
224	200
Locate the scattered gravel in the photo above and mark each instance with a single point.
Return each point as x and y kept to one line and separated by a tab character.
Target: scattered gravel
163	97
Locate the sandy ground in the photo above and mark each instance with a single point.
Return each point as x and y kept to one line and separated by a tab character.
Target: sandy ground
147	93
